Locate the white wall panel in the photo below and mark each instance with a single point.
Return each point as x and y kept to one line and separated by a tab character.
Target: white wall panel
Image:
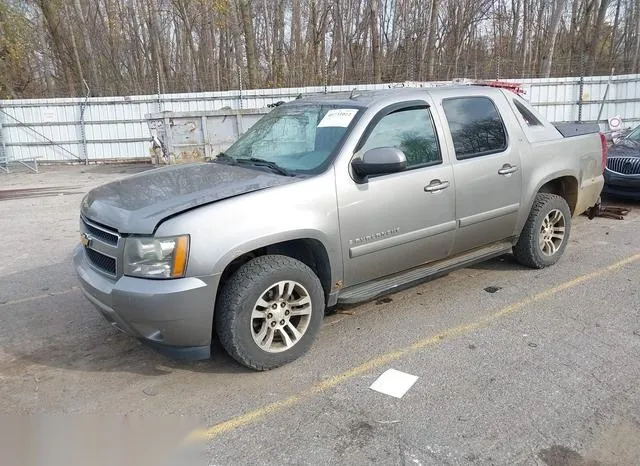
116	127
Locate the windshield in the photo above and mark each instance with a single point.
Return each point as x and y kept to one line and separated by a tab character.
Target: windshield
298	138
634	135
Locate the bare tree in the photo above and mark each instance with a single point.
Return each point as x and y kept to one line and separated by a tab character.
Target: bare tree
552	34
374	19
246	18
596	35
48	47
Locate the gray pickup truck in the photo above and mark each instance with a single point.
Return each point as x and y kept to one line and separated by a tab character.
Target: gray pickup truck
330	199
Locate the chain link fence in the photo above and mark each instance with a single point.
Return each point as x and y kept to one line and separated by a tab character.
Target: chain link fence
409	67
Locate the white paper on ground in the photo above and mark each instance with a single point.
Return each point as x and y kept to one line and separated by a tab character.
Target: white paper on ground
394	383
338	117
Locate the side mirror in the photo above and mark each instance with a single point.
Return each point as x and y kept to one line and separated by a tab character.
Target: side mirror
379	161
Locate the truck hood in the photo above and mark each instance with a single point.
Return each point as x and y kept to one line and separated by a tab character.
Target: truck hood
137	204
625	148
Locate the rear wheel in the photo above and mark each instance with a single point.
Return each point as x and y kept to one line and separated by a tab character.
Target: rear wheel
269	312
546	232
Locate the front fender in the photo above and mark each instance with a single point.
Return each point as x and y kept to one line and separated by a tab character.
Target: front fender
225	230
333	253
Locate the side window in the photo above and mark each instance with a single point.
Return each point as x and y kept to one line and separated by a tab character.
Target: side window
476	126
410	130
526	114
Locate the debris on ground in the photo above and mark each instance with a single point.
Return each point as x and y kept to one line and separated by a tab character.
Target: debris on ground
394	383
614	212
385	300
492	289
150	391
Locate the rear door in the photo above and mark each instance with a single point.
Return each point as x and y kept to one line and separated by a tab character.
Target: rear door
487	169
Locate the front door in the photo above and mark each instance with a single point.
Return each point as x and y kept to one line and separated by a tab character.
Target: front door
397	221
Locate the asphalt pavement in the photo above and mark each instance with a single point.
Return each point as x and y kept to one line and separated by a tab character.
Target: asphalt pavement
514	366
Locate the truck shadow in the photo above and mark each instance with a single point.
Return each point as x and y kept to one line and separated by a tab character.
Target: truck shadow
112	353
502	263
45	320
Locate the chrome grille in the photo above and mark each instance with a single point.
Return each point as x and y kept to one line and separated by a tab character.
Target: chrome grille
101	233
624	165
102	246
100	261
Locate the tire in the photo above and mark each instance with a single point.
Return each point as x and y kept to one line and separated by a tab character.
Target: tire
245	317
539	244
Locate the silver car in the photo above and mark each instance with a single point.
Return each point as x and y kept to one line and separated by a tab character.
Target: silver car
335	198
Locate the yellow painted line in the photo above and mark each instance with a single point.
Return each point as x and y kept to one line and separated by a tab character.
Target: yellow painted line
38	297
250	417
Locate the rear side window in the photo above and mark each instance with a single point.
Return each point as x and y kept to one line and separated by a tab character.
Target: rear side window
410	130
476	126
526	114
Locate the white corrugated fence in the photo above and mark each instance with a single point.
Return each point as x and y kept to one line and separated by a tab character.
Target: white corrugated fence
116	128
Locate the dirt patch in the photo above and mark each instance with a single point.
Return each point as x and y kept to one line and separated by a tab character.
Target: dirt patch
27	193
618	444
557	455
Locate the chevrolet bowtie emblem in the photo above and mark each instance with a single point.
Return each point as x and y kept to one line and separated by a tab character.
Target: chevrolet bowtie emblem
85	240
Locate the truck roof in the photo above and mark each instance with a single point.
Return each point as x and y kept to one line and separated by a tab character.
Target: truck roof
367	98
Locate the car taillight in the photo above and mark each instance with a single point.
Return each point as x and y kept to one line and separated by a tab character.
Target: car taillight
605	151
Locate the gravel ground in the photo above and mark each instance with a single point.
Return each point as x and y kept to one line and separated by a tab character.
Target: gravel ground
544	371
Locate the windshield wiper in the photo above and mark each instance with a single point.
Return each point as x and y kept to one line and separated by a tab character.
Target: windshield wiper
266	163
224	158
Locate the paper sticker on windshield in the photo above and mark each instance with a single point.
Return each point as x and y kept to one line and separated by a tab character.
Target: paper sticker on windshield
339	117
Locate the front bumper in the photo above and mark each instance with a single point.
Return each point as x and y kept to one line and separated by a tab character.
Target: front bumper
620	185
174	316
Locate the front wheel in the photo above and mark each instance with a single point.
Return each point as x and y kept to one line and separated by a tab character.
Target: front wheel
546	232
269	312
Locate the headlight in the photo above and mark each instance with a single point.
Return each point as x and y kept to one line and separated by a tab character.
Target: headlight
156	257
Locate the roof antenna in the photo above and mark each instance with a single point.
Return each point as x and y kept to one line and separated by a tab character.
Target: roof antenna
354	94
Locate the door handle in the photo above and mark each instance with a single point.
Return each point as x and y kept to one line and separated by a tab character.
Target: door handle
507	169
436	185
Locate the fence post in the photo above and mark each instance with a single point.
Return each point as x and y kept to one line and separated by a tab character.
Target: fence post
205	136
581	88
4	158
158	95
326	75
168	138
83	129
606	93
240	87
240	104
412	50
